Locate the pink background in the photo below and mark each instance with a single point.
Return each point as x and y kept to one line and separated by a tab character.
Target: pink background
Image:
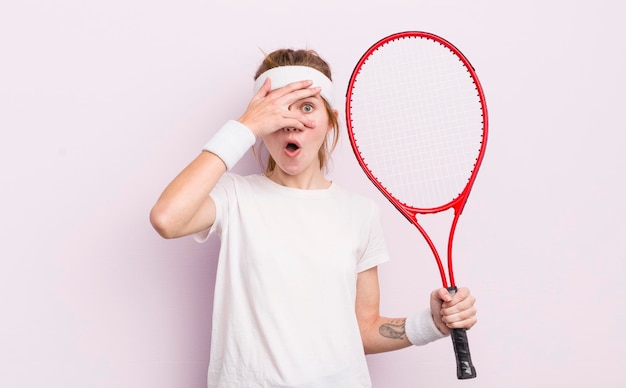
102	103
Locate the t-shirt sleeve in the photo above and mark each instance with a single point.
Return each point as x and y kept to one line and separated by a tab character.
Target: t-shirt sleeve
375	252
220	196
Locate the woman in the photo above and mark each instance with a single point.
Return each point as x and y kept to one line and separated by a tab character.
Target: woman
296	295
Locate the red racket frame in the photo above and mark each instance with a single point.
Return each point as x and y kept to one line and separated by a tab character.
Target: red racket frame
457	203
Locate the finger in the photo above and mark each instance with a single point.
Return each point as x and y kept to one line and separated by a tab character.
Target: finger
292	87
297	122
454	318
460	295
462	292
288	96
455	305
459	321
301	94
441	294
458	312
264	89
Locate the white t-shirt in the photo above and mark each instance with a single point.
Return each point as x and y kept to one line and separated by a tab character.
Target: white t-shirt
284	311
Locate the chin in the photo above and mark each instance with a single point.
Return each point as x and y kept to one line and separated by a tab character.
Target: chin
290	170
294	166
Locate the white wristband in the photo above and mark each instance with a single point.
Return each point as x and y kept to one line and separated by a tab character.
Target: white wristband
420	329
231	142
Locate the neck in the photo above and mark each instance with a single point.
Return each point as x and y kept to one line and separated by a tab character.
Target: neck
307	180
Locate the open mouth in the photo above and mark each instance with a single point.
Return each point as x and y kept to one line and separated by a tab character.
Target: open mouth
292	149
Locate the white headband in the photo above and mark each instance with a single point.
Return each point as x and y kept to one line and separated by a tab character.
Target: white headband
284	75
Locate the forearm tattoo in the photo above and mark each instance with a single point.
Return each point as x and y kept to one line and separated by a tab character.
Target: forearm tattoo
393	329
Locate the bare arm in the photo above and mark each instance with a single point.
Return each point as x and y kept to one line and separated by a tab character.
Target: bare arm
382	334
379	334
185	206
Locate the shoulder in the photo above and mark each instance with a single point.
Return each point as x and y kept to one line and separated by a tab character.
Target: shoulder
232	180
233	187
359	203
360	199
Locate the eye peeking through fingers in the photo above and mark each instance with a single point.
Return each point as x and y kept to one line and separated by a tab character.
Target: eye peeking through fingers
307	107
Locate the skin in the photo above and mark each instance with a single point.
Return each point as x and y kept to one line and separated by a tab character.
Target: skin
295	114
299	168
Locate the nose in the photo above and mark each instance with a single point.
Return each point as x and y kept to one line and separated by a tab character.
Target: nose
290	129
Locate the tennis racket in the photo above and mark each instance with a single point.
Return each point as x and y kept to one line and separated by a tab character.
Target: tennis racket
417	123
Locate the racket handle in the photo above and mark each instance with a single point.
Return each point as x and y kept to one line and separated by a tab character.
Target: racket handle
464	366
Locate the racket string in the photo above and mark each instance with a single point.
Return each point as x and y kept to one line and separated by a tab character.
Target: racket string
419	123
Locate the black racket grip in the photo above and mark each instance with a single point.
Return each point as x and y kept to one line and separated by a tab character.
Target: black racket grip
464	366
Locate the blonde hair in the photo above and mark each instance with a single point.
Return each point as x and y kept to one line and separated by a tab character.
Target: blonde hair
290	57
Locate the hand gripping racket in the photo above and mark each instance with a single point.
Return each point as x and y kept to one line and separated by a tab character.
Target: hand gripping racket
417	122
